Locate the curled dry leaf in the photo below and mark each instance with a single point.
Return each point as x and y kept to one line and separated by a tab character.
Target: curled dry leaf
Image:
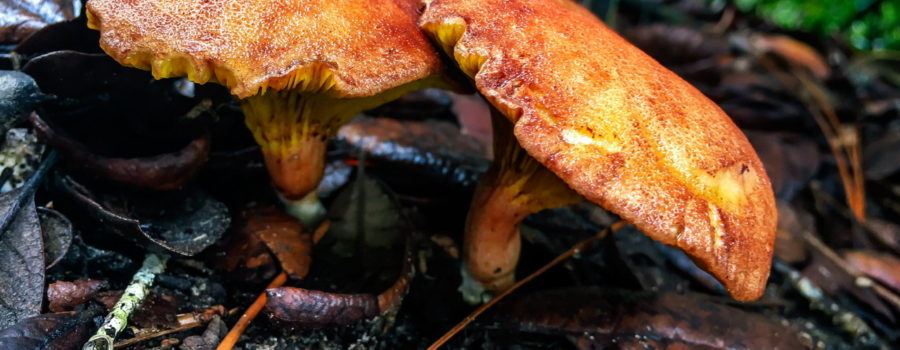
65	296
310	308
21	263
185	221
285	237
433	150
56	230
19	19
246	257
883	267
161	172
602	318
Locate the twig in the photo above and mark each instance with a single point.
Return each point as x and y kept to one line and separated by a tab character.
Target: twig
235	333
134	295
187	321
575	249
26	191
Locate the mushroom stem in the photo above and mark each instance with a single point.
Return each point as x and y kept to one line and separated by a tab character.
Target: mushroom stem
514	187
309	210
293	128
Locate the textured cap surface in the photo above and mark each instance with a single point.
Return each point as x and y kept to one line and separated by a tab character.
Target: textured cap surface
619	128
351	48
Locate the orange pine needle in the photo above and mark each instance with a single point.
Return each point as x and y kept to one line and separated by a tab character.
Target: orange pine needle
575	249
235	333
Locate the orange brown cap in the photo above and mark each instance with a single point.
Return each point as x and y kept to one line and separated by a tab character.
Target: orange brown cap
619	128
349	48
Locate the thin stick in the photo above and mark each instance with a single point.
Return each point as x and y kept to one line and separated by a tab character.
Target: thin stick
131	299
235	333
27	190
575	249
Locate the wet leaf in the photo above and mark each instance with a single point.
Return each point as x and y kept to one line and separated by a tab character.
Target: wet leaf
364	218
57	331
65	296
19	95
425	151
72	35
418	105
167	171
285	237
312	308
21	18
603	318
883	267
246	257
21	263
185	221
56	230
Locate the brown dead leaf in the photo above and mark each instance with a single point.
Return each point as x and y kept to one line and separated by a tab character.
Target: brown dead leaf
284	236
882	267
158	311
789	246
64	296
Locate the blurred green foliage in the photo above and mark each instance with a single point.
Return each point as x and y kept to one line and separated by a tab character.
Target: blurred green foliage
869	24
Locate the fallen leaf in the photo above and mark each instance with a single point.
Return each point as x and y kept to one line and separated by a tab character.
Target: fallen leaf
21	18
56	230
245	256
65	296
883	267
64	330
21	263
185	221
601	318
285	237
429	150
162	172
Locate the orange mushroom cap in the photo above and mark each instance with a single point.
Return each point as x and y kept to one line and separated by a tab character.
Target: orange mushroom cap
302	68
349	48
618	128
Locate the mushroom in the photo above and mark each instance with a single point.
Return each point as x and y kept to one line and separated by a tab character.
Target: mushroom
617	127
301	69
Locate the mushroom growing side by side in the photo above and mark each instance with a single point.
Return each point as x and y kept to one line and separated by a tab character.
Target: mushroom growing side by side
617	127
300	68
